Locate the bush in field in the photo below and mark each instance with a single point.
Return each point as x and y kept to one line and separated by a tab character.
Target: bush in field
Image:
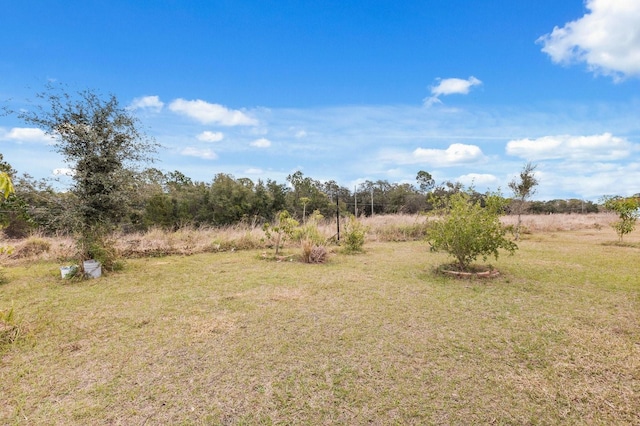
628	210
468	229
284	228
310	231
354	235
311	240
33	246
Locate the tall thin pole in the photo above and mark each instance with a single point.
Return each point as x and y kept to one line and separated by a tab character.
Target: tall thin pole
338	216
372	201
355	195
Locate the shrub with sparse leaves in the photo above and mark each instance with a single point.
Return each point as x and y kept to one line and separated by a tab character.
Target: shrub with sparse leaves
284	228
628	210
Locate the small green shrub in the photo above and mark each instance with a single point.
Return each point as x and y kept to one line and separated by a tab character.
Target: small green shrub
468	229
354	236
284	228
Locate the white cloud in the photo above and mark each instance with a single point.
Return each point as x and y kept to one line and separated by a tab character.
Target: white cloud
607	39
207	113
147	102
208	136
206	154
301	134
479	180
261	143
254	171
603	147
456	153
451	86
28	134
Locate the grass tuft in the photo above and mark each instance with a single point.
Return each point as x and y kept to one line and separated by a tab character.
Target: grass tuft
9	329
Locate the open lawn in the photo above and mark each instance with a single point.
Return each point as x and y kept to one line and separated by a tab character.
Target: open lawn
377	338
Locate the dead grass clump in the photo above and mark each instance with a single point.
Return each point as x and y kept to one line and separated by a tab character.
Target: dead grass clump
246	241
395	228
32	246
188	241
37	247
313	253
398	233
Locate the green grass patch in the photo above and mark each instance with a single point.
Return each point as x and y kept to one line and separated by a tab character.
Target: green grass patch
231	338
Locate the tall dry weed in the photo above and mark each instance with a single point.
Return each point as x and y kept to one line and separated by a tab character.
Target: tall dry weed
187	240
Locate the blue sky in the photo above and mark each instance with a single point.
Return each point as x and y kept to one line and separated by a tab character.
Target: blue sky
347	90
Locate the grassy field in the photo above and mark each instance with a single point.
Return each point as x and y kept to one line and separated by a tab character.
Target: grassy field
231	338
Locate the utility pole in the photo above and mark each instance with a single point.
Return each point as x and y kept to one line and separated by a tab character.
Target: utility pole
355	196
371	201
338	215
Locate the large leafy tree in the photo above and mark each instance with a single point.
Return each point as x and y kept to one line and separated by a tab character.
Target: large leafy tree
102	143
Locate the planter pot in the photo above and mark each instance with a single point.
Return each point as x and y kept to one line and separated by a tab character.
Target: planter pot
92	268
67	271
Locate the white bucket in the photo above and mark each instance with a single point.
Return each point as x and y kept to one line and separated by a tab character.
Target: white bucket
65	271
92	268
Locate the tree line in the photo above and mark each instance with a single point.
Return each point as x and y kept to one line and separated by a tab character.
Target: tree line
101	142
170	200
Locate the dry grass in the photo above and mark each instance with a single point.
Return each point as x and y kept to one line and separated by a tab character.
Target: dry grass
229	338
188	241
562	222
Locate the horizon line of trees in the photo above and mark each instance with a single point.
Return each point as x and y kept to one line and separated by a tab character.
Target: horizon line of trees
172	200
